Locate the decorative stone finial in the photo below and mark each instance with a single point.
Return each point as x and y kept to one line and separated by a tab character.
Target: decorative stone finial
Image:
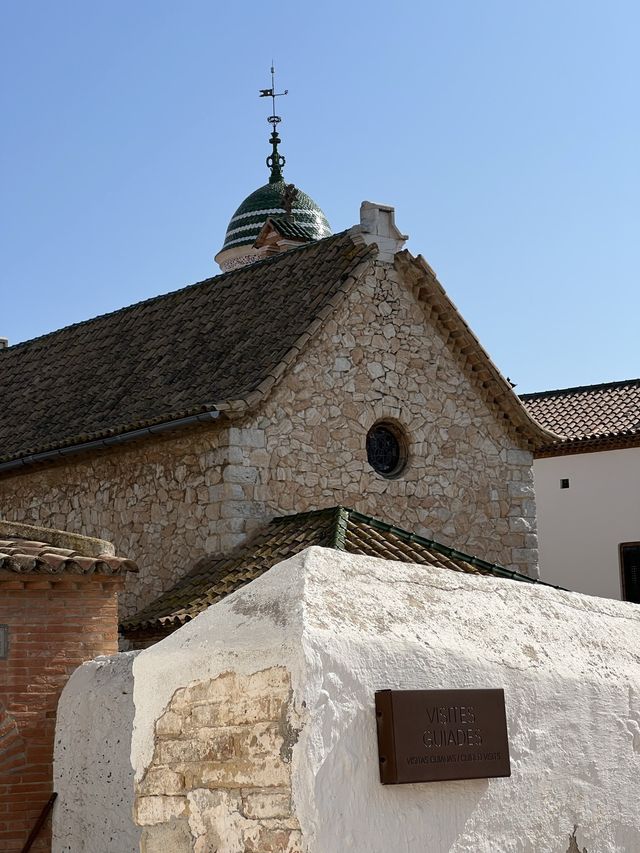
378	225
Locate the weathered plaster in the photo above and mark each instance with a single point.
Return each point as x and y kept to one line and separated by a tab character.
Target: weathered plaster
221	767
568	664
92	769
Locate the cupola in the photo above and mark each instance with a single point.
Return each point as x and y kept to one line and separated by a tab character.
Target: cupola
275	217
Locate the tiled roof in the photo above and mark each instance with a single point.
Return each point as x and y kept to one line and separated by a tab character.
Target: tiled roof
21	553
289	228
246	223
215	577
207	346
592	417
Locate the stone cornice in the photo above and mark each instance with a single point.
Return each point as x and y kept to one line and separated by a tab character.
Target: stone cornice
495	389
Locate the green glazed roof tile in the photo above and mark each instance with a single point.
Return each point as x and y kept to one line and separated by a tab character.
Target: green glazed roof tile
246	223
215	577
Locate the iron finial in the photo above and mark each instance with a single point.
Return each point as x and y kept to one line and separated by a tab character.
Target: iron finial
275	160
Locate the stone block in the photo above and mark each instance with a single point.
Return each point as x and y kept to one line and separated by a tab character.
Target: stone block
525	555
521	525
159	809
519	457
260	738
170	837
261	839
170	724
258	805
162	781
243	710
242	474
209	745
246	437
520	490
267	771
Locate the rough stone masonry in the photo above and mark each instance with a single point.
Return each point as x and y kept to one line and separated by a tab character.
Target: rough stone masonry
170	500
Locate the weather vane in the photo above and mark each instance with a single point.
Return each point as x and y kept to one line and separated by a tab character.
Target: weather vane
275	161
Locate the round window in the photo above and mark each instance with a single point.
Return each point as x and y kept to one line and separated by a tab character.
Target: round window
386	449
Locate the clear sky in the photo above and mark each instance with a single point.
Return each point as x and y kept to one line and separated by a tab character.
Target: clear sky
505	132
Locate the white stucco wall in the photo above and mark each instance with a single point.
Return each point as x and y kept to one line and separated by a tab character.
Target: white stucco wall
581	528
345	626
92	770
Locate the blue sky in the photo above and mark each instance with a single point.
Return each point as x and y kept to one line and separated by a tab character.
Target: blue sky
505	133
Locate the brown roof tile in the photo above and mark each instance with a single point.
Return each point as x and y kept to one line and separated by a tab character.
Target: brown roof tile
215	577
187	352
19	553
592	417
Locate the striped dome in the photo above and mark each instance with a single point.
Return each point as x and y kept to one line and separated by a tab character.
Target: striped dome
246	223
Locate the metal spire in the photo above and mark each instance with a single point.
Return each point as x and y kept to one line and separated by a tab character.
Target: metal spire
275	160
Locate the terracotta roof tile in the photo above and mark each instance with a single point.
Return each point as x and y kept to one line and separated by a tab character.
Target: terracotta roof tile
18	555
215	577
23	555
591	417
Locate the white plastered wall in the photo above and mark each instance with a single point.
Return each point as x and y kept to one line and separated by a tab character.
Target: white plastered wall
581	528
92	770
345	626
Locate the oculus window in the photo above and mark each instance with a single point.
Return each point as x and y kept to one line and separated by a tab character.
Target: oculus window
387	449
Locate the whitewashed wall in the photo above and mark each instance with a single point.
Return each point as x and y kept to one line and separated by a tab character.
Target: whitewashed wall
342	627
92	769
581	528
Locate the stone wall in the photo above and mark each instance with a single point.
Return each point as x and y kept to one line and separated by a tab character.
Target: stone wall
467	484
167	501
220	777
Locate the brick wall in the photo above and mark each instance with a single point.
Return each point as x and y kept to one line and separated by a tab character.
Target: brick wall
54	625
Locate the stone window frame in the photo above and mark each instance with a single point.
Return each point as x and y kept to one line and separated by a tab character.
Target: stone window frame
400	434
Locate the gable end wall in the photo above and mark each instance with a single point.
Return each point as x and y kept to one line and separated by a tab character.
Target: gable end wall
468	482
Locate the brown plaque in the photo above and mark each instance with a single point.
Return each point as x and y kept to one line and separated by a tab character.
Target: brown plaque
435	735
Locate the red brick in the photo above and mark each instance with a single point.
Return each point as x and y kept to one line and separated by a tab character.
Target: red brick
53	628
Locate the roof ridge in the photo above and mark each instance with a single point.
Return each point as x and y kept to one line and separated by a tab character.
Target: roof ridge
494	568
620	383
340	532
344	514
162	296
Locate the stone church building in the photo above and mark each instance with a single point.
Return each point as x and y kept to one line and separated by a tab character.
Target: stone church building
318	370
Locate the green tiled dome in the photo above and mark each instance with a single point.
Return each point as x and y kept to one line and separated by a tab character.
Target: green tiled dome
246	223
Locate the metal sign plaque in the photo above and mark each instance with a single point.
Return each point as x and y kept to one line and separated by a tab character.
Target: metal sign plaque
438	735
